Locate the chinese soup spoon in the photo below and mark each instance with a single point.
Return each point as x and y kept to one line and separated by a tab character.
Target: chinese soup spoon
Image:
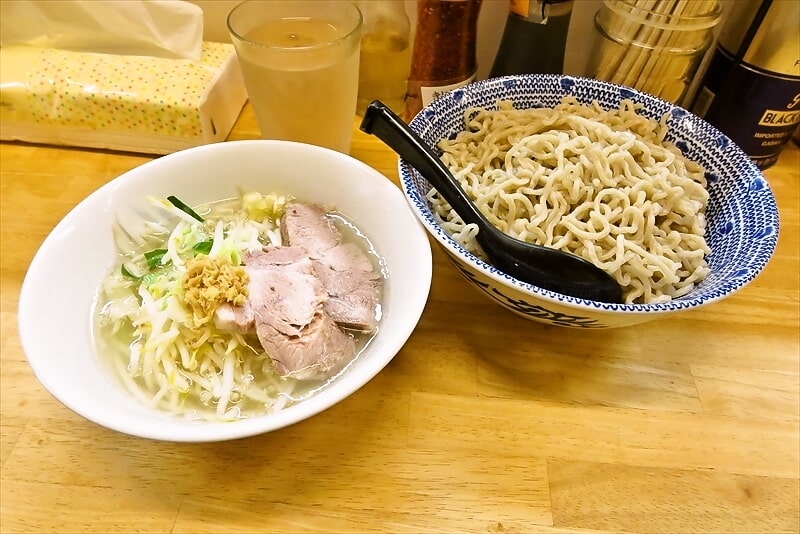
537	265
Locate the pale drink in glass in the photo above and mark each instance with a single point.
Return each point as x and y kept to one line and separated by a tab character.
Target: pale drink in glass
300	63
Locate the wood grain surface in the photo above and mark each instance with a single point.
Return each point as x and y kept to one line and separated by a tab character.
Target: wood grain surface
484	422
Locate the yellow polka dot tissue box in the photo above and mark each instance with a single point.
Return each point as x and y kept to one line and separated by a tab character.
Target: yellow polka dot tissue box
133	103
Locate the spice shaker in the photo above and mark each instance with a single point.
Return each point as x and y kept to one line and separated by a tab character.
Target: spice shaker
385	54
534	38
751	89
444	52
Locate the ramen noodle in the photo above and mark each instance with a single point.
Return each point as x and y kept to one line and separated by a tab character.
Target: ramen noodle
601	184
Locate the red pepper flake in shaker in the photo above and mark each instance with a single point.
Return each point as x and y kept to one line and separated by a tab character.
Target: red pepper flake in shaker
444	54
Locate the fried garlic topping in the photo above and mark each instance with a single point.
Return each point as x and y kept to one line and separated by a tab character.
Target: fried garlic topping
209	282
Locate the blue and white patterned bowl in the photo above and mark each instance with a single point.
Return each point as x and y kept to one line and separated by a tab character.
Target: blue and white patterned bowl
742	215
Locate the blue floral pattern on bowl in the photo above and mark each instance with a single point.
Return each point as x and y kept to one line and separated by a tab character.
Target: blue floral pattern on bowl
742	214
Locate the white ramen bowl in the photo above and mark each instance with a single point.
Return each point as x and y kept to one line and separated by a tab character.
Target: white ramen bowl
742	215
65	359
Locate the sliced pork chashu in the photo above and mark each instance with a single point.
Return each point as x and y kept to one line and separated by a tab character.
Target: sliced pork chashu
285	305
349	277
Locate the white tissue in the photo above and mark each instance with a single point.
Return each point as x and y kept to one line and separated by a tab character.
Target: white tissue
158	28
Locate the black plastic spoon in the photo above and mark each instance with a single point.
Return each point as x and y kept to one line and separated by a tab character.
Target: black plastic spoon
541	266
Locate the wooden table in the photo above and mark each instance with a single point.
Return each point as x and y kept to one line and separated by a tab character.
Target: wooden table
484	422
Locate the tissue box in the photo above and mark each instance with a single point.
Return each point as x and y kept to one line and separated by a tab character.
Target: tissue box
132	103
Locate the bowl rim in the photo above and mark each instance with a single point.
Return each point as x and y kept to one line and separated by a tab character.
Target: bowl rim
406	172
415	239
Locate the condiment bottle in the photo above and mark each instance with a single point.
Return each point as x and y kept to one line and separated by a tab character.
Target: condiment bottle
534	38
385	54
751	89
444	52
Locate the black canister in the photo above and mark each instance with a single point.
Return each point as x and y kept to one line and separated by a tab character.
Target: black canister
751	90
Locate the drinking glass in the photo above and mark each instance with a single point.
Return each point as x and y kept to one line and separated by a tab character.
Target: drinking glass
299	60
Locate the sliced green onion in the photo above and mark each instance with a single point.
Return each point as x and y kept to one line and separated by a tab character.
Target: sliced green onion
203	247
183	207
154	257
126	272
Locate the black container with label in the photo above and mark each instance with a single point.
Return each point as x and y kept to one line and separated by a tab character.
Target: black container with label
751	89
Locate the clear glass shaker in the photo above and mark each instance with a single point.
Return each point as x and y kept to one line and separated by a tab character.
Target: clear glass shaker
444	56
385	54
